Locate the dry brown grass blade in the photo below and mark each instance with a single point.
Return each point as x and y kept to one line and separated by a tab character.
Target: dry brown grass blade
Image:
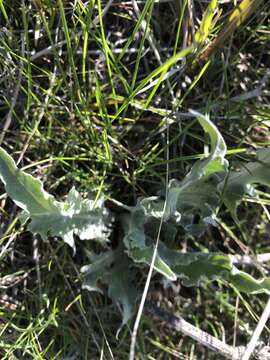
240	13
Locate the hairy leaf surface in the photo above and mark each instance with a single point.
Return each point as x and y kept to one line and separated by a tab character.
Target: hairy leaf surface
79	216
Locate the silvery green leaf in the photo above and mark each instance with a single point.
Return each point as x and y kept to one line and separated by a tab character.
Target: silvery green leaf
197	193
191	203
113	270
211	266
76	216
122	289
97	270
145	256
135	239
215	162
195	267
239	183
88	219
133	225
26	191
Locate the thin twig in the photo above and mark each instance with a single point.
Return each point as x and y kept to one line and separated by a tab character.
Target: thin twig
202	337
150	272
235	321
259	328
261	324
222	349
250	259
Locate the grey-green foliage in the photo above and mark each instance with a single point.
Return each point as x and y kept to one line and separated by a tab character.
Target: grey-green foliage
196	196
241	182
112	269
191	204
83	217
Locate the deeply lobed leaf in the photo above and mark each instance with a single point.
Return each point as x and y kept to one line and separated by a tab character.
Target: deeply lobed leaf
113	270
76	216
191	203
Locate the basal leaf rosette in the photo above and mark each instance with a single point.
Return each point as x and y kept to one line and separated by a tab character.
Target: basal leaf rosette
193	204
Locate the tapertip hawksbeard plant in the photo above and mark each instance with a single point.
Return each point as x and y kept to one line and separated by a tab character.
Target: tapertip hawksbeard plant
191	204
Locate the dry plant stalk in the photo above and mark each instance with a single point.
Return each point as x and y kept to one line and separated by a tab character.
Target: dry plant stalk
219	347
240	13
